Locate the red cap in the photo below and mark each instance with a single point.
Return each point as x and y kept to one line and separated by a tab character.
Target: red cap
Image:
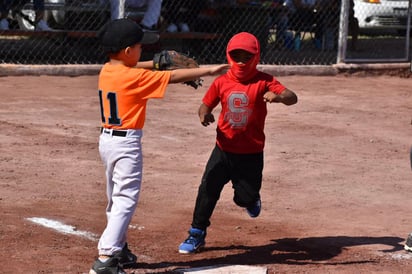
245	41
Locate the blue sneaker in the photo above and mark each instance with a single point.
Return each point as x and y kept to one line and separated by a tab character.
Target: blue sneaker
194	242
254	210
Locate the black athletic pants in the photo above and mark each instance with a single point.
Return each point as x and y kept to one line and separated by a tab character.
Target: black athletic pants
245	172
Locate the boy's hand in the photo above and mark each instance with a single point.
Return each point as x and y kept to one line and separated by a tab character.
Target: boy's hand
269	97
287	97
207	119
219	69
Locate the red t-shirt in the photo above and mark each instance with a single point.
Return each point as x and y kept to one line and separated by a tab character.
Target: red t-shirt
240	127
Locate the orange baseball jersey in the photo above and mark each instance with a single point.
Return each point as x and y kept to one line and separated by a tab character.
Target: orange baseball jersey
124	92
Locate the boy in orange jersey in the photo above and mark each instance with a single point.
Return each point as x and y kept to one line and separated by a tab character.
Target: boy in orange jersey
124	89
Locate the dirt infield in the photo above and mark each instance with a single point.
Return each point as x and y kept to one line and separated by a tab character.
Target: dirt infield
335	192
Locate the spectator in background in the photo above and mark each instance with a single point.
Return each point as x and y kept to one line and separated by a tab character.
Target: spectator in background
296	15
300	13
182	14
353	26
117	9
151	16
328	23
40	23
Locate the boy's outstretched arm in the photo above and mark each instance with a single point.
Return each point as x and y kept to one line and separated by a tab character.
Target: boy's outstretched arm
287	97
205	115
183	75
145	64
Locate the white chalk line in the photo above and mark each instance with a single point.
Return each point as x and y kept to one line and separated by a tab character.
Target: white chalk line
170	138
63	228
402	256
69	229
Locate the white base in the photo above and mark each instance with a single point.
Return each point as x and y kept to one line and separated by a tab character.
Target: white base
225	269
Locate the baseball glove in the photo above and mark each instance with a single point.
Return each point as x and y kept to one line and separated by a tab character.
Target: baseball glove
170	60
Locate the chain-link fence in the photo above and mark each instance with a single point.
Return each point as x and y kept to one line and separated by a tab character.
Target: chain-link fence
312	32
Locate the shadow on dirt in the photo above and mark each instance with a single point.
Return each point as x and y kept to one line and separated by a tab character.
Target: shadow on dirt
295	251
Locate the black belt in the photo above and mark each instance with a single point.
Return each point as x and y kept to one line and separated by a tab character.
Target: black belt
119	133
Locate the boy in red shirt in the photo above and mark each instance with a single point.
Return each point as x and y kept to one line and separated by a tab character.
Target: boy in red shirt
243	93
125	86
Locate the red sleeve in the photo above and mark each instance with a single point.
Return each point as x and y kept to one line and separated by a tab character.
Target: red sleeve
212	96
275	86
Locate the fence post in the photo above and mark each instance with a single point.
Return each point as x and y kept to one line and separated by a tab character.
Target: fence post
408	32
343	31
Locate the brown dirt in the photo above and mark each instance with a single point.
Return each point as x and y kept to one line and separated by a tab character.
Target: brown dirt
335	191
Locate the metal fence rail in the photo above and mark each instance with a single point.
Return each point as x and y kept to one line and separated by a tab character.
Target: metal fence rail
319	35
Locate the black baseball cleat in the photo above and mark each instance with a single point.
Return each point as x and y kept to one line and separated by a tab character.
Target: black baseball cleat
111	266
126	257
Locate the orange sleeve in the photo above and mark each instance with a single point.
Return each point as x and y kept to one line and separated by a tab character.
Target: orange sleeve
124	92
